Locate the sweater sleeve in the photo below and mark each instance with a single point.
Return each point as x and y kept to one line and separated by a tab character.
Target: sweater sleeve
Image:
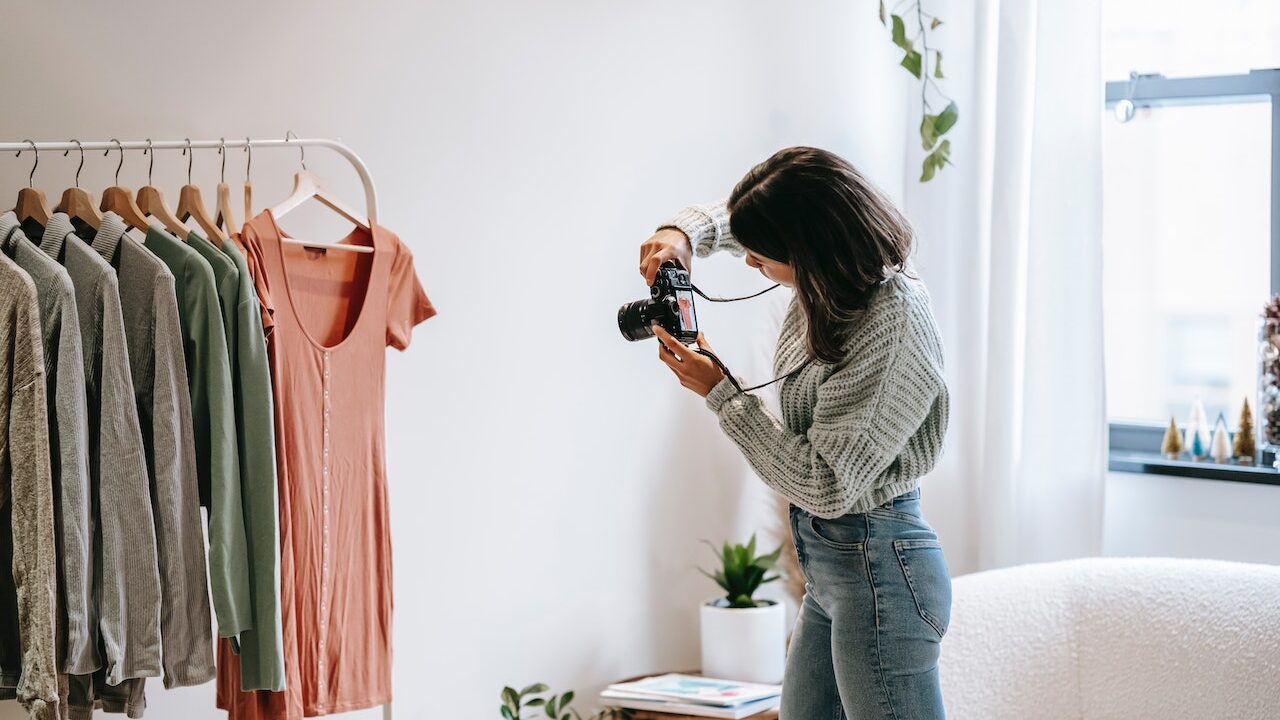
707	227
33	545
865	414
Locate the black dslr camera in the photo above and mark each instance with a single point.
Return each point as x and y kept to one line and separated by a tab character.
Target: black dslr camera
670	302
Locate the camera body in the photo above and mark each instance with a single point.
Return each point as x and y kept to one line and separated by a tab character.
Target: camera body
670	303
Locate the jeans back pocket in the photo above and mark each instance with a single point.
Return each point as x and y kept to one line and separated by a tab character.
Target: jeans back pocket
925	569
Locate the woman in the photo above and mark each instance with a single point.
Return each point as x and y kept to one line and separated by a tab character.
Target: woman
862	420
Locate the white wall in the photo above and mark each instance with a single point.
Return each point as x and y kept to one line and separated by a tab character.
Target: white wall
550	482
1187	517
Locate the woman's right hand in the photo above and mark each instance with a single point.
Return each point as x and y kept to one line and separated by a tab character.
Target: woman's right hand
666	244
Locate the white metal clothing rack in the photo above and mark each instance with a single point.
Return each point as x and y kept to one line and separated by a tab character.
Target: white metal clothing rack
370	196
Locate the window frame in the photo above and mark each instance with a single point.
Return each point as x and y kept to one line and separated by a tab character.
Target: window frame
1131	444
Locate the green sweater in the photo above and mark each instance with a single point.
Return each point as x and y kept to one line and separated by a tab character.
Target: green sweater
854	434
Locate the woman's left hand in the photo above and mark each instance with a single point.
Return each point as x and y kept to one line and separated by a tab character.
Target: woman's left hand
696	372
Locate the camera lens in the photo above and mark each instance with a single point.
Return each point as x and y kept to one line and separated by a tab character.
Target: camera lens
634	318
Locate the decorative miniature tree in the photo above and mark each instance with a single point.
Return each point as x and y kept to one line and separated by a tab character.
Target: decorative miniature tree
1221	446
1246	447
1198	432
1172	446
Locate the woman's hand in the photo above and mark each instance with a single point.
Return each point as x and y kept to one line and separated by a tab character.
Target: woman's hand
696	372
666	244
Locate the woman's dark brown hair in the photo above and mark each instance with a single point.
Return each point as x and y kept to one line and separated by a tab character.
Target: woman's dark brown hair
811	209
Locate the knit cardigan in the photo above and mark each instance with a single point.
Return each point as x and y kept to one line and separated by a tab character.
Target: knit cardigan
853	434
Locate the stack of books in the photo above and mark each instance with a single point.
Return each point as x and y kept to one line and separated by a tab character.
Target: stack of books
693	695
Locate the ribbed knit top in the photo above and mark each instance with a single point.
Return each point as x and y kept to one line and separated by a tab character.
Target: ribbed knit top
852	434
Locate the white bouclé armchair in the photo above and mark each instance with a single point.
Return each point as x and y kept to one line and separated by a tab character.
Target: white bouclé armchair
1115	638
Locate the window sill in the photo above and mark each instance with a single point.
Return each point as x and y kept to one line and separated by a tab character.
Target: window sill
1152	464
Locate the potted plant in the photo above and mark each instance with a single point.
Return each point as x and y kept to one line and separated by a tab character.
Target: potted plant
537	701
743	638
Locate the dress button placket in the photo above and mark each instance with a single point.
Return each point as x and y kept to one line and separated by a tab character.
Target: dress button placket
324	552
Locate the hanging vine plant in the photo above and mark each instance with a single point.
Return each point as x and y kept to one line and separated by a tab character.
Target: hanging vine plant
933	126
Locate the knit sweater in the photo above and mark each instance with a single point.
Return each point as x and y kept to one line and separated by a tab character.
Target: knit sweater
853	434
26	495
69	445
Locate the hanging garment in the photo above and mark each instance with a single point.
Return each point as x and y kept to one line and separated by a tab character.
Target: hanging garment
337	312
126	579
28	585
260	661
212	407
77	628
158	368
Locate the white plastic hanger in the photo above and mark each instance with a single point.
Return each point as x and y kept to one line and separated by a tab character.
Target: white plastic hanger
306	186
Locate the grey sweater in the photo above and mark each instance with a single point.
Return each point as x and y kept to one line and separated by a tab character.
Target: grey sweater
26	487
126	582
68	441
852	434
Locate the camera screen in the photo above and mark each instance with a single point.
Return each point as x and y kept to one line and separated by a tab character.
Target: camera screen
685	300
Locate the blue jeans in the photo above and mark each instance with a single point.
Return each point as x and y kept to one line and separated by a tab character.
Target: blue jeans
877	603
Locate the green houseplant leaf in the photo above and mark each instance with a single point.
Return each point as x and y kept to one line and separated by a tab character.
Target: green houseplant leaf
743	571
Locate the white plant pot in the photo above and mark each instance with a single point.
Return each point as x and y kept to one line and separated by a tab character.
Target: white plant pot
744	644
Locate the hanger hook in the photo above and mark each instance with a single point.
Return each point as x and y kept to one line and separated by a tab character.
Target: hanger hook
222	150
191	158
301	149
150	149
81	166
121	163
31	178
248	148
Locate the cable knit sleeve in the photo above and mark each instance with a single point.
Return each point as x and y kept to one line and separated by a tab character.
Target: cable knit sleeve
707	227
867	411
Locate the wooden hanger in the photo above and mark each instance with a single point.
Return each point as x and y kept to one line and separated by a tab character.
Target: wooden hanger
307	186
119	199
224	216
76	202
151	201
191	204
32	204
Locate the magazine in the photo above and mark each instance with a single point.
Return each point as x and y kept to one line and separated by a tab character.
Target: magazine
732	712
696	690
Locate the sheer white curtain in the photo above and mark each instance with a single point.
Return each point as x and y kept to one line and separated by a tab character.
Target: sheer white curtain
1010	245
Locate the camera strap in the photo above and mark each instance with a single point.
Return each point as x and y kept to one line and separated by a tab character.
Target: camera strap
729	374
708	298
725	368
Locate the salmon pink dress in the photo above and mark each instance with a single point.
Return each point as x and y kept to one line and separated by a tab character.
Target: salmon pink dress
336	312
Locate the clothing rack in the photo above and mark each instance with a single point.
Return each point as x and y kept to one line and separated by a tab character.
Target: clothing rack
370	197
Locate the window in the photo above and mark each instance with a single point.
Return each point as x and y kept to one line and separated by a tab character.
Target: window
1191	192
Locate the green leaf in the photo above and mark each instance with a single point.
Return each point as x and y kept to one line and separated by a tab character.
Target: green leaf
912	62
506	713
566	699
751	547
935	160
946	119
510	699
934	25
535	702
937	65
928	131
900	33
551	709
770	579
770	560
